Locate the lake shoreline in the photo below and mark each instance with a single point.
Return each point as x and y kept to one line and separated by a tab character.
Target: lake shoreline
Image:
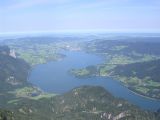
139	94
59	81
136	93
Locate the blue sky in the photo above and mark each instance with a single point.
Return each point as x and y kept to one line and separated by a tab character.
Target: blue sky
65	15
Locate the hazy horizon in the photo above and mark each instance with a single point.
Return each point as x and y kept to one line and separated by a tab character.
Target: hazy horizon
19	16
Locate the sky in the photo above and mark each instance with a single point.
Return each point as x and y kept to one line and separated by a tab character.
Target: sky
79	15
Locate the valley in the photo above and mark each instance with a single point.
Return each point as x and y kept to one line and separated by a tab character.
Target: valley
87	70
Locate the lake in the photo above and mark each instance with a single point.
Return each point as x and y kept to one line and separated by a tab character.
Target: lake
54	77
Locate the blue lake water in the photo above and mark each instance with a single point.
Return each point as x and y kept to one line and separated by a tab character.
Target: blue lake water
54	77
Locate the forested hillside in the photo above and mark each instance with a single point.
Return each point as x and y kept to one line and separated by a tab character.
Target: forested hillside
19	100
13	71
